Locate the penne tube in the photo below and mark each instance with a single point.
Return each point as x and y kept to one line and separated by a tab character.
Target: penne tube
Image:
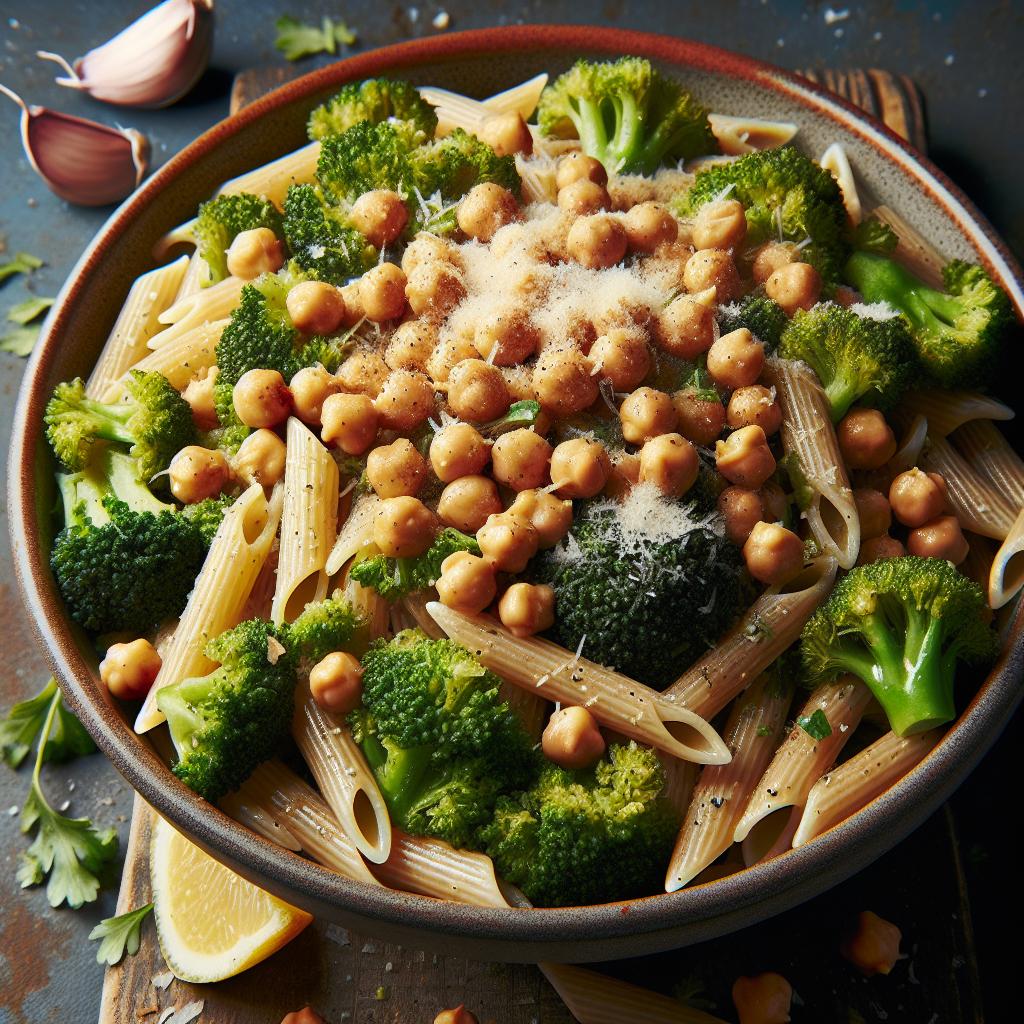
771	624
947	410
355	534
739	135
369	606
984	446
837	163
259	819
752	733
538	180
616	701
195	279
975	500
137	322
261	597
273	179
416	606
183	234
237	553
214	303
457	111
190	355
309	522
770	818
914	251
909	452
680	780
808	435
341	772
856	782
1006	574
981	552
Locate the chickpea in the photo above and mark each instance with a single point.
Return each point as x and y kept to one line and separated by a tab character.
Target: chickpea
380	215
506	134
564	381
458	1015
576	166
621	356
353	306
744	457
129	670
794	286
307	1015
260	458
199	395
775	502
336	682
572	739
261	398
596	241
363	373
449	352
382	292
874	512
646	413
754	404
551	517
527	608
484	209
426	249
774	555
580	467
411	345
712	268
404	527
685	328
197	473
583	197
315	307
520	459
700	417
350	422
742	510
873	944
670	463
939	538
396	469
736	359
254	252
477	391
720	225
458	450
466	583
875	548
917	497
310	388
506	337
405	401
763	999
507	541
866	441
770	257
467	502
649	225
434	289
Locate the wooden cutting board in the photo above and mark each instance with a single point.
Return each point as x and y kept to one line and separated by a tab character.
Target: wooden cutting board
920	886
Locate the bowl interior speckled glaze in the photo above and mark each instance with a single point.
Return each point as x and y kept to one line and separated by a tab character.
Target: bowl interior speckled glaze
480	63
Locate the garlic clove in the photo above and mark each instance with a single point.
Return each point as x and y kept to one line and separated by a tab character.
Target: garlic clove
81	161
151	63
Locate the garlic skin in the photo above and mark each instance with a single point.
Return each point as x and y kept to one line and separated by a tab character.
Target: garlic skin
151	63
82	161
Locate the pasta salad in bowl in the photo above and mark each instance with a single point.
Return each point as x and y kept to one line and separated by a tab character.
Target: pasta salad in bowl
550	500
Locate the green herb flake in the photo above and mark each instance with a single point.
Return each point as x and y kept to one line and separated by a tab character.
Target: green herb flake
20	341
29	310
120	935
22	263
296	40
381	994
764	730
816	726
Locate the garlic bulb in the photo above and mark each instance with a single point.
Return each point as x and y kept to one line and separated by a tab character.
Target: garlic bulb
151	63
81	161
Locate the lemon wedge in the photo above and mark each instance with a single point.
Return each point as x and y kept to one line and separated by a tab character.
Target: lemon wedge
212	924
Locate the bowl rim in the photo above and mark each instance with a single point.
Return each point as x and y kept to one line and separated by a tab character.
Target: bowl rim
641	925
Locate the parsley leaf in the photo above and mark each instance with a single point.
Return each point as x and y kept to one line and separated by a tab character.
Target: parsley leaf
764	730
29	310
22	263
121	935
816	725
296	40
20	341
21	727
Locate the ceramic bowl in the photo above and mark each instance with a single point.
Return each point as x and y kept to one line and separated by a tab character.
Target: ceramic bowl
480	63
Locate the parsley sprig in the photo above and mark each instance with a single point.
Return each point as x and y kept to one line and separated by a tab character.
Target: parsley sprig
296	40
120	935
67	739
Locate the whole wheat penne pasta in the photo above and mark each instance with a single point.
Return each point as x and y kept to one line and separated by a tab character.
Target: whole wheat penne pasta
137	322
1006	574
981	552
720	797
947	410
355	534
214	303
232	566
770	625
680	779
807	434
272	180
974	498
771	815
837	163
344	777
739	135
308	522
191	354
248	812
416	606
914	251
985	447
911	445
856	782
616	701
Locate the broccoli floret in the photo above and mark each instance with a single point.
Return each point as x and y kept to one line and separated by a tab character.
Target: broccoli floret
760	315
873	235
260	334
627	115
220	219
856	358
321	239
366	157
455	164
323	627
393	578
588	836
376	99
627	575
208	514
786	196
901	625
442	745
153	420
956	332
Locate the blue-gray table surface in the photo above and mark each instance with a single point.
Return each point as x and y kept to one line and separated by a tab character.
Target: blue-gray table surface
966	57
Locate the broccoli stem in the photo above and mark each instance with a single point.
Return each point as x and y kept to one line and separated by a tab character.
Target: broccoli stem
400	774
590	126
842	391
628	130
179	704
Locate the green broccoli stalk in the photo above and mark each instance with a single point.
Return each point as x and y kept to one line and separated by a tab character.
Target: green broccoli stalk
590	836
440	742
393	578
373	100
627	115
856	358
901	625
223	217
764	318
956	332
152	420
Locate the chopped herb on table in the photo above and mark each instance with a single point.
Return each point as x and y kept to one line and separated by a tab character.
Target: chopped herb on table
22	339
119	935
296	40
